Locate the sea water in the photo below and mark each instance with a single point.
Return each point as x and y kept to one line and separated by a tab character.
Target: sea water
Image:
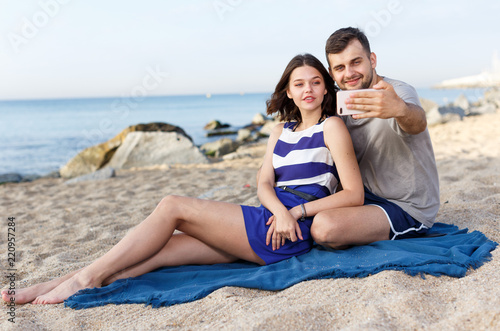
40	136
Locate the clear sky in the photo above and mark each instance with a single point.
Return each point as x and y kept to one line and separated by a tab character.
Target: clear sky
91	48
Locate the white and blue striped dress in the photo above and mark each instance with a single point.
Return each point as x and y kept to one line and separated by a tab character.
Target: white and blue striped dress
302	158
302	162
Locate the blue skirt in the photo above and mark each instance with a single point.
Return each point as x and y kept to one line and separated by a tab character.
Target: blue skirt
257	217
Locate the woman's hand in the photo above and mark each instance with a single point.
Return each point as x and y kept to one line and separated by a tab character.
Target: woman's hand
283	228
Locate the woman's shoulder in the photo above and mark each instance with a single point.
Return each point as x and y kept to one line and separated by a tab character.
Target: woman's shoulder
335	129
277	130
279	126
333	122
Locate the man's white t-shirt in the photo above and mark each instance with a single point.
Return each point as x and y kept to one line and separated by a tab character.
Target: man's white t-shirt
395	165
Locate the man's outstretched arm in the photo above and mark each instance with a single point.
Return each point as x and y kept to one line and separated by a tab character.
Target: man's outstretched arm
385	103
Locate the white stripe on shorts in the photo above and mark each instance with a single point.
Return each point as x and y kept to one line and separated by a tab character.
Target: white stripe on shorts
392	227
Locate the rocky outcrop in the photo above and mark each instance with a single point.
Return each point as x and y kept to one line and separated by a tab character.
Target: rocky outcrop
244	135
462	102
259	119
267	128
95	157
261	126
10	178
216	128
492	96
484	109
489	104
18	178
146	149
215	125
221	132
460	108
431	111
220	147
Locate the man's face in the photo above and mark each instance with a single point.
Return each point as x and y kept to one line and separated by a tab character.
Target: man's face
352	68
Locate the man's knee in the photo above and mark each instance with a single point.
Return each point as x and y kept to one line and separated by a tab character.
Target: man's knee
326	231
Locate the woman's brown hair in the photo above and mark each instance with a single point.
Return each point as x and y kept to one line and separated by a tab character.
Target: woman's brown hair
286	108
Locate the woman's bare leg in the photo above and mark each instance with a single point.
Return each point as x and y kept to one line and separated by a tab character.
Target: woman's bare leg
217	224
181	249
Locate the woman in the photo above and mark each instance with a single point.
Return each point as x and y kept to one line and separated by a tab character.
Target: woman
305	154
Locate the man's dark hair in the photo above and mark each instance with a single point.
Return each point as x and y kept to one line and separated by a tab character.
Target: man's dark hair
339	40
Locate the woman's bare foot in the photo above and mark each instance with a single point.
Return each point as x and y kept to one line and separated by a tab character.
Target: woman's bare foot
65	290
26	295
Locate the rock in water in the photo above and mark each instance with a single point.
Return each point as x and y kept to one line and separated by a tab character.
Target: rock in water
145	149
492	96
10	178
244	135
267	128
259	119
487	108
220	147
95	157
459	112
215	125
463	103
431	112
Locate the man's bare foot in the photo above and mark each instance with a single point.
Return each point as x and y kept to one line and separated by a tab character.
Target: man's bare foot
65	290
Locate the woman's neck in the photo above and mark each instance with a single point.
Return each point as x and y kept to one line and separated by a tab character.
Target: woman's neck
308	120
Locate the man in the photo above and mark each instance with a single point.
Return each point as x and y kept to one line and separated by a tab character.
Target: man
393	149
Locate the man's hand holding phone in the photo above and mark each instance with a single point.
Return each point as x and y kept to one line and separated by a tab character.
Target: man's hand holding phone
344	102
381	101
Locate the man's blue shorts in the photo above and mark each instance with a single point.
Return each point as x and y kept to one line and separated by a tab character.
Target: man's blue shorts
402	224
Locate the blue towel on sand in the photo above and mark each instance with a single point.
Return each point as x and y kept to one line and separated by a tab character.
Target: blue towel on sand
451	254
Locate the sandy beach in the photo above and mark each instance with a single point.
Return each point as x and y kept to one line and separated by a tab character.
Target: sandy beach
62	227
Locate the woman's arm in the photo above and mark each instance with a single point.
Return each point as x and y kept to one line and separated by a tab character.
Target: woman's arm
266	181
285	226
339	143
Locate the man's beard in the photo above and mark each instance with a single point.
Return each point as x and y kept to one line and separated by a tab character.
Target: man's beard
366	82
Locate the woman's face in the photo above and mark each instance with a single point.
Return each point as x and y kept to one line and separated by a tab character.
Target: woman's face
307	88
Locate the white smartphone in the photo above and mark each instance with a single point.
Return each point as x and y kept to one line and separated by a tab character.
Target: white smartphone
341	107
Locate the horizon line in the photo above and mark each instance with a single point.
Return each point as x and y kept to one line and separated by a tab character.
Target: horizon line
208	95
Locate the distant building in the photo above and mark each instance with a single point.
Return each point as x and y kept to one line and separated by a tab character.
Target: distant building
484	79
